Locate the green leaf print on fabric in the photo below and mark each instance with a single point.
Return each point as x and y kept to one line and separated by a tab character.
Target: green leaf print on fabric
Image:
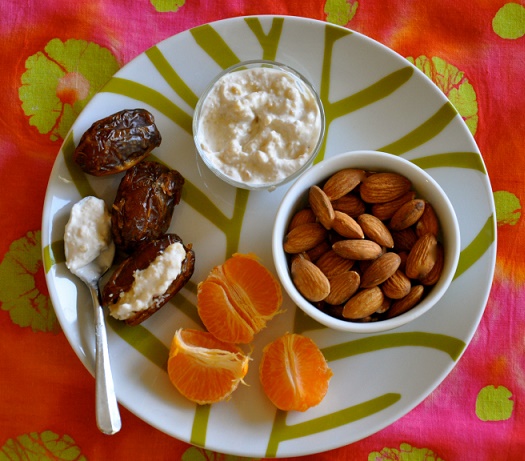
406	452
165	6
200	454
59	81
509	21
494	404
454	84
44	446
508	208
20	294
340	12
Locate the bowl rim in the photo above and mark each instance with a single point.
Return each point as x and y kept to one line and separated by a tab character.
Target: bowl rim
260	63
359	159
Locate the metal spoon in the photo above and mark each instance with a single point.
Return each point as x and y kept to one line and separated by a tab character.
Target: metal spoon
107	412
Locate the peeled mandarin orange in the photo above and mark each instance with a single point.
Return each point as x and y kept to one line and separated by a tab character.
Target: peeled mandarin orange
294	373
204	369
238	298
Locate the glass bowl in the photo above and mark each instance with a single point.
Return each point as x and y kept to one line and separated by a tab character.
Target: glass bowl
258	125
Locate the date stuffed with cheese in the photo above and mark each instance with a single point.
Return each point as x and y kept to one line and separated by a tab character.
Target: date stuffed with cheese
144	204
117	142
147	280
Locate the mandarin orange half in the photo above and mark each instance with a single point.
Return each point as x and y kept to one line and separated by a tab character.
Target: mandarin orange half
294	373
238	298
204	369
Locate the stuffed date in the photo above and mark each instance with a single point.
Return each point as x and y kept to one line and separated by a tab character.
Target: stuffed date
144	204
147	280
117	142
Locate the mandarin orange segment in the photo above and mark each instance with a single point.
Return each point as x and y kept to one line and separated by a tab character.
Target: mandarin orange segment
204	369
294	373
238	298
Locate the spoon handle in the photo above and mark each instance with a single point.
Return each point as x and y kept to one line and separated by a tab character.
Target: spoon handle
107	411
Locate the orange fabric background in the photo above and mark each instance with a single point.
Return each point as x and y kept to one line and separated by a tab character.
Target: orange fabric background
43	385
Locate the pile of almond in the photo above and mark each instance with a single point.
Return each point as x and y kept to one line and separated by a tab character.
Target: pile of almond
366	247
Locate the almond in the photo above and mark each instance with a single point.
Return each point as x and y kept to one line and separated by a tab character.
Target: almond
384	306
422	257
375	230
304	237
408	302
357	249
342	287
321	206
384	187
306	215
408	214
309	280
435	273
319	250
405	239
332	264
385	211
404	256
397	286
346	226
363	304
342	182
428	223
350	204
303	255
380	270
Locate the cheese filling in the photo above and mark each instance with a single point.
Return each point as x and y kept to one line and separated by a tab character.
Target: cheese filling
87	233
150	282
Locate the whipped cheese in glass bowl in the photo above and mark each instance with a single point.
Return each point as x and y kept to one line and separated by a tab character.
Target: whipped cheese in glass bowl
258	125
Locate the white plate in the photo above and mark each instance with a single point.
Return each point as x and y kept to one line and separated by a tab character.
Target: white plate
374	99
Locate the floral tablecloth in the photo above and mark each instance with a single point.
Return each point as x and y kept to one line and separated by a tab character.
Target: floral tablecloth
57	54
